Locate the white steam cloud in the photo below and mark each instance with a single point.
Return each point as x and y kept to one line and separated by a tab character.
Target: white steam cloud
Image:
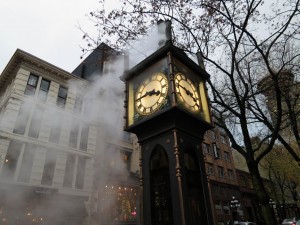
103	103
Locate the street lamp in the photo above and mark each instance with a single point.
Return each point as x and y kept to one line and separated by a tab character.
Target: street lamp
272	203
234	203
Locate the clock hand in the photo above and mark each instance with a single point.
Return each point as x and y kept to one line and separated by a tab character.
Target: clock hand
150	93
189	93
186	90
153	92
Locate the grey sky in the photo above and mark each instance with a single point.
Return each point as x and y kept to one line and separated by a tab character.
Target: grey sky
45	28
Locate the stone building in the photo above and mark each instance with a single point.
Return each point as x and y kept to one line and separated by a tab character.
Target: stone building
51	148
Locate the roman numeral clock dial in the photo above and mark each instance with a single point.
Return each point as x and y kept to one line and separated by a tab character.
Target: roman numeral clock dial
187	92
151	94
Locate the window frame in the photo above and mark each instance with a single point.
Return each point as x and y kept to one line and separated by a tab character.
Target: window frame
62	97
221	172
31	87
41	90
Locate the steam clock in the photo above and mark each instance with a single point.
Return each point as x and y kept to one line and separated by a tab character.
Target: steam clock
167	108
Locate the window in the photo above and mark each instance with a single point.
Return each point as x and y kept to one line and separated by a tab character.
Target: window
11	160
62	96
242	181
226	156
230	174
250	183
217	151
27	162
213	135
209	168
226	208
218	208
80	172
22	119
78	104
126	136
74	135
223	139
221	171
44	89
206	148
31	85
125	157
35	123
55	133
84	137
49	168
69	171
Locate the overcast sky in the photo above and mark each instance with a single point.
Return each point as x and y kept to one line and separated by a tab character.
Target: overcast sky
44	28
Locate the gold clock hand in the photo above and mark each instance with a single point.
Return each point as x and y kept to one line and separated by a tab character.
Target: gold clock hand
143	96
189	93
150	93
153	92
186	90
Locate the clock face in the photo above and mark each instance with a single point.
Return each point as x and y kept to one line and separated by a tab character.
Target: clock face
151	94
187	92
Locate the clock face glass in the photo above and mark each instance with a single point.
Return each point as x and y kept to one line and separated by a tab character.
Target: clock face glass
151	94
187	92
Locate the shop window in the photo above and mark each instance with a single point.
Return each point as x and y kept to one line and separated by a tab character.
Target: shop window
11	160
31	85
121	200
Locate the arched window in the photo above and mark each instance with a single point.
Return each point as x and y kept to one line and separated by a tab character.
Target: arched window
161	205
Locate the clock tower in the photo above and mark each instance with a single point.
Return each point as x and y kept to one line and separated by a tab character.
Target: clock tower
166	106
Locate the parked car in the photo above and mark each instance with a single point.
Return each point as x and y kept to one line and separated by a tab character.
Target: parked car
245	223
291	221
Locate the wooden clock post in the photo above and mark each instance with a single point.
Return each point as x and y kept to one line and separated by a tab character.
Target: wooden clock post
167	108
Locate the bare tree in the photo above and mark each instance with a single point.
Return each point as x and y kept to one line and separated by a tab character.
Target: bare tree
241	42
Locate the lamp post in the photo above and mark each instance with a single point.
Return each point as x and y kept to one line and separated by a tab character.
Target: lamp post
234	204
272	203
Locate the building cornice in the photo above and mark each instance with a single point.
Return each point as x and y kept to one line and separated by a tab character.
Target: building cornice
22	58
